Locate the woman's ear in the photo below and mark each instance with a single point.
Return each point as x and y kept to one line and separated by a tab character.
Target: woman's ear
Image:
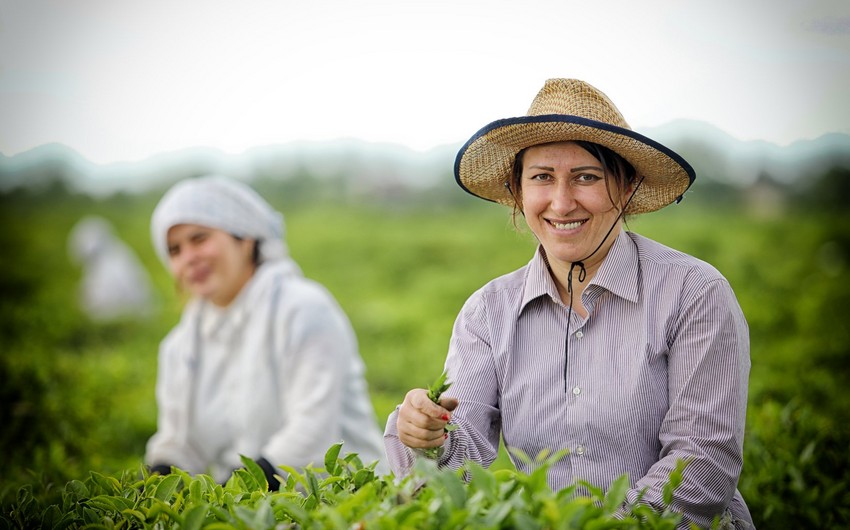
630	190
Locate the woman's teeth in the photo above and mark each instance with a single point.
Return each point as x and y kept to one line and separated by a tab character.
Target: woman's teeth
567	226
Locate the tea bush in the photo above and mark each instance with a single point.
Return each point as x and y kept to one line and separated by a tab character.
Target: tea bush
343	495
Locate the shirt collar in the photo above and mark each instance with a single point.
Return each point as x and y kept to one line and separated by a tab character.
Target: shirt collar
216	320
618	273
621	268
538	280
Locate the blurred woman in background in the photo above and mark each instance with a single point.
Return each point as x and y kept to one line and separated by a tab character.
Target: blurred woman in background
263	363
114	283
626	354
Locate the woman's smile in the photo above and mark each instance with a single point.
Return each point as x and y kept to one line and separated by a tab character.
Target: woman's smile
570	227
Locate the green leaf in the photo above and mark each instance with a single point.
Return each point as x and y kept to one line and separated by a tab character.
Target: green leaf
257	474
616	495
110	503
438	387
77	489
497	514
353	460
454	487
331	459
674	482
292	511
310	482
193	518
195	491
109	485
166	487
362	477
481	480
134	514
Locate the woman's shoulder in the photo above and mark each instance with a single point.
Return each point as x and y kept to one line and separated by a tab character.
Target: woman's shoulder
503	290
658	256
290	294
507	282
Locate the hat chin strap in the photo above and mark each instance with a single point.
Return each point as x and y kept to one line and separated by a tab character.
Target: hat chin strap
582	274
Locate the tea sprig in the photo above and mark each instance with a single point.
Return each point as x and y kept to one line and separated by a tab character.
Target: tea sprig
434	392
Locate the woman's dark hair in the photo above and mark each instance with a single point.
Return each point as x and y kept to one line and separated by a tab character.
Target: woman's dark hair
614	165
255	252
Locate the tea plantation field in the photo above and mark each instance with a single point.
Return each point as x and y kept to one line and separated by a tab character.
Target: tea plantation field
79	397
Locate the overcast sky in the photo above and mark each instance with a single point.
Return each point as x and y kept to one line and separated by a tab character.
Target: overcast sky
120	80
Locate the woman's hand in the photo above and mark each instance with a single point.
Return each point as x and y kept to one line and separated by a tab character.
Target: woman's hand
421	422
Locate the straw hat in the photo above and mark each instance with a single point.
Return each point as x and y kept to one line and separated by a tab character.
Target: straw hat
563	110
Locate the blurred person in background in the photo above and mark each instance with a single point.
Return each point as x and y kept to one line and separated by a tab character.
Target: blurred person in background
264	363
628	355
114	283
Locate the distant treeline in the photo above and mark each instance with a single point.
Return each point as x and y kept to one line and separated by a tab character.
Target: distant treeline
812	175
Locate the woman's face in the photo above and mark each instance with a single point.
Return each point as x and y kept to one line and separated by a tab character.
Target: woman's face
567	204
209	263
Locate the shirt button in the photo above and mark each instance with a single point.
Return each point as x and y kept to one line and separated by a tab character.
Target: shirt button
576	391
580	450
579	334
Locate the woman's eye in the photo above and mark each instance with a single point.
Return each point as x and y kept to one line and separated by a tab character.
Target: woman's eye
199	237
541	176
588	178
173	250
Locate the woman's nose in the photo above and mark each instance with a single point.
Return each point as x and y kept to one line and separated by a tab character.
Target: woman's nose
563	197
190	254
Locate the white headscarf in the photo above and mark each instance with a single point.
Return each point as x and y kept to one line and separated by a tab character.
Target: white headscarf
219	202
88	238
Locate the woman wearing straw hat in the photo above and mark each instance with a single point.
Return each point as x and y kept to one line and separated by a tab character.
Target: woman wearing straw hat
628	354
263	363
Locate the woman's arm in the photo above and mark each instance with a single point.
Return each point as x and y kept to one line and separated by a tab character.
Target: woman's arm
708	369
316	353
168	445
474	388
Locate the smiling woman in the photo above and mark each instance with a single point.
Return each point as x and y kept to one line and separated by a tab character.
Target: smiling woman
263	363
628	356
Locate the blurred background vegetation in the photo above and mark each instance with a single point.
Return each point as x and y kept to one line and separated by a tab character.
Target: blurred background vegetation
402	257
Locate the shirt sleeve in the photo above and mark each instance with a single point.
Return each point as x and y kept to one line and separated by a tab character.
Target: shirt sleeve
708	369
472	372
168	445
316	350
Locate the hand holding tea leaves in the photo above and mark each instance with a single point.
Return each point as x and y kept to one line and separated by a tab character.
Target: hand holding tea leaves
434	392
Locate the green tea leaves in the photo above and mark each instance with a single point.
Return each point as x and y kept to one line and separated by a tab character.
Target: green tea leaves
438	387
346	495
435	391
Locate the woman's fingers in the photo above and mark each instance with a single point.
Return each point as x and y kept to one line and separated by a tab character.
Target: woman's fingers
421	422
449	403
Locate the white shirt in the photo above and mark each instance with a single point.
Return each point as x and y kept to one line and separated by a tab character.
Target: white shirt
276	374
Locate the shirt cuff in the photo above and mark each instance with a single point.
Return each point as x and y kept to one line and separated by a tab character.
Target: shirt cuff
400	457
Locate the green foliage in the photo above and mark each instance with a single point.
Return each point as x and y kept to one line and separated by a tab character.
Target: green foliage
796	466
344	494
78	397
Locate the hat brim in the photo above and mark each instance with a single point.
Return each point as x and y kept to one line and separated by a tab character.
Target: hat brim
485	162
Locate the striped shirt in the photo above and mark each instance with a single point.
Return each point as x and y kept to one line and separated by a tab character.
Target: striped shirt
657	372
